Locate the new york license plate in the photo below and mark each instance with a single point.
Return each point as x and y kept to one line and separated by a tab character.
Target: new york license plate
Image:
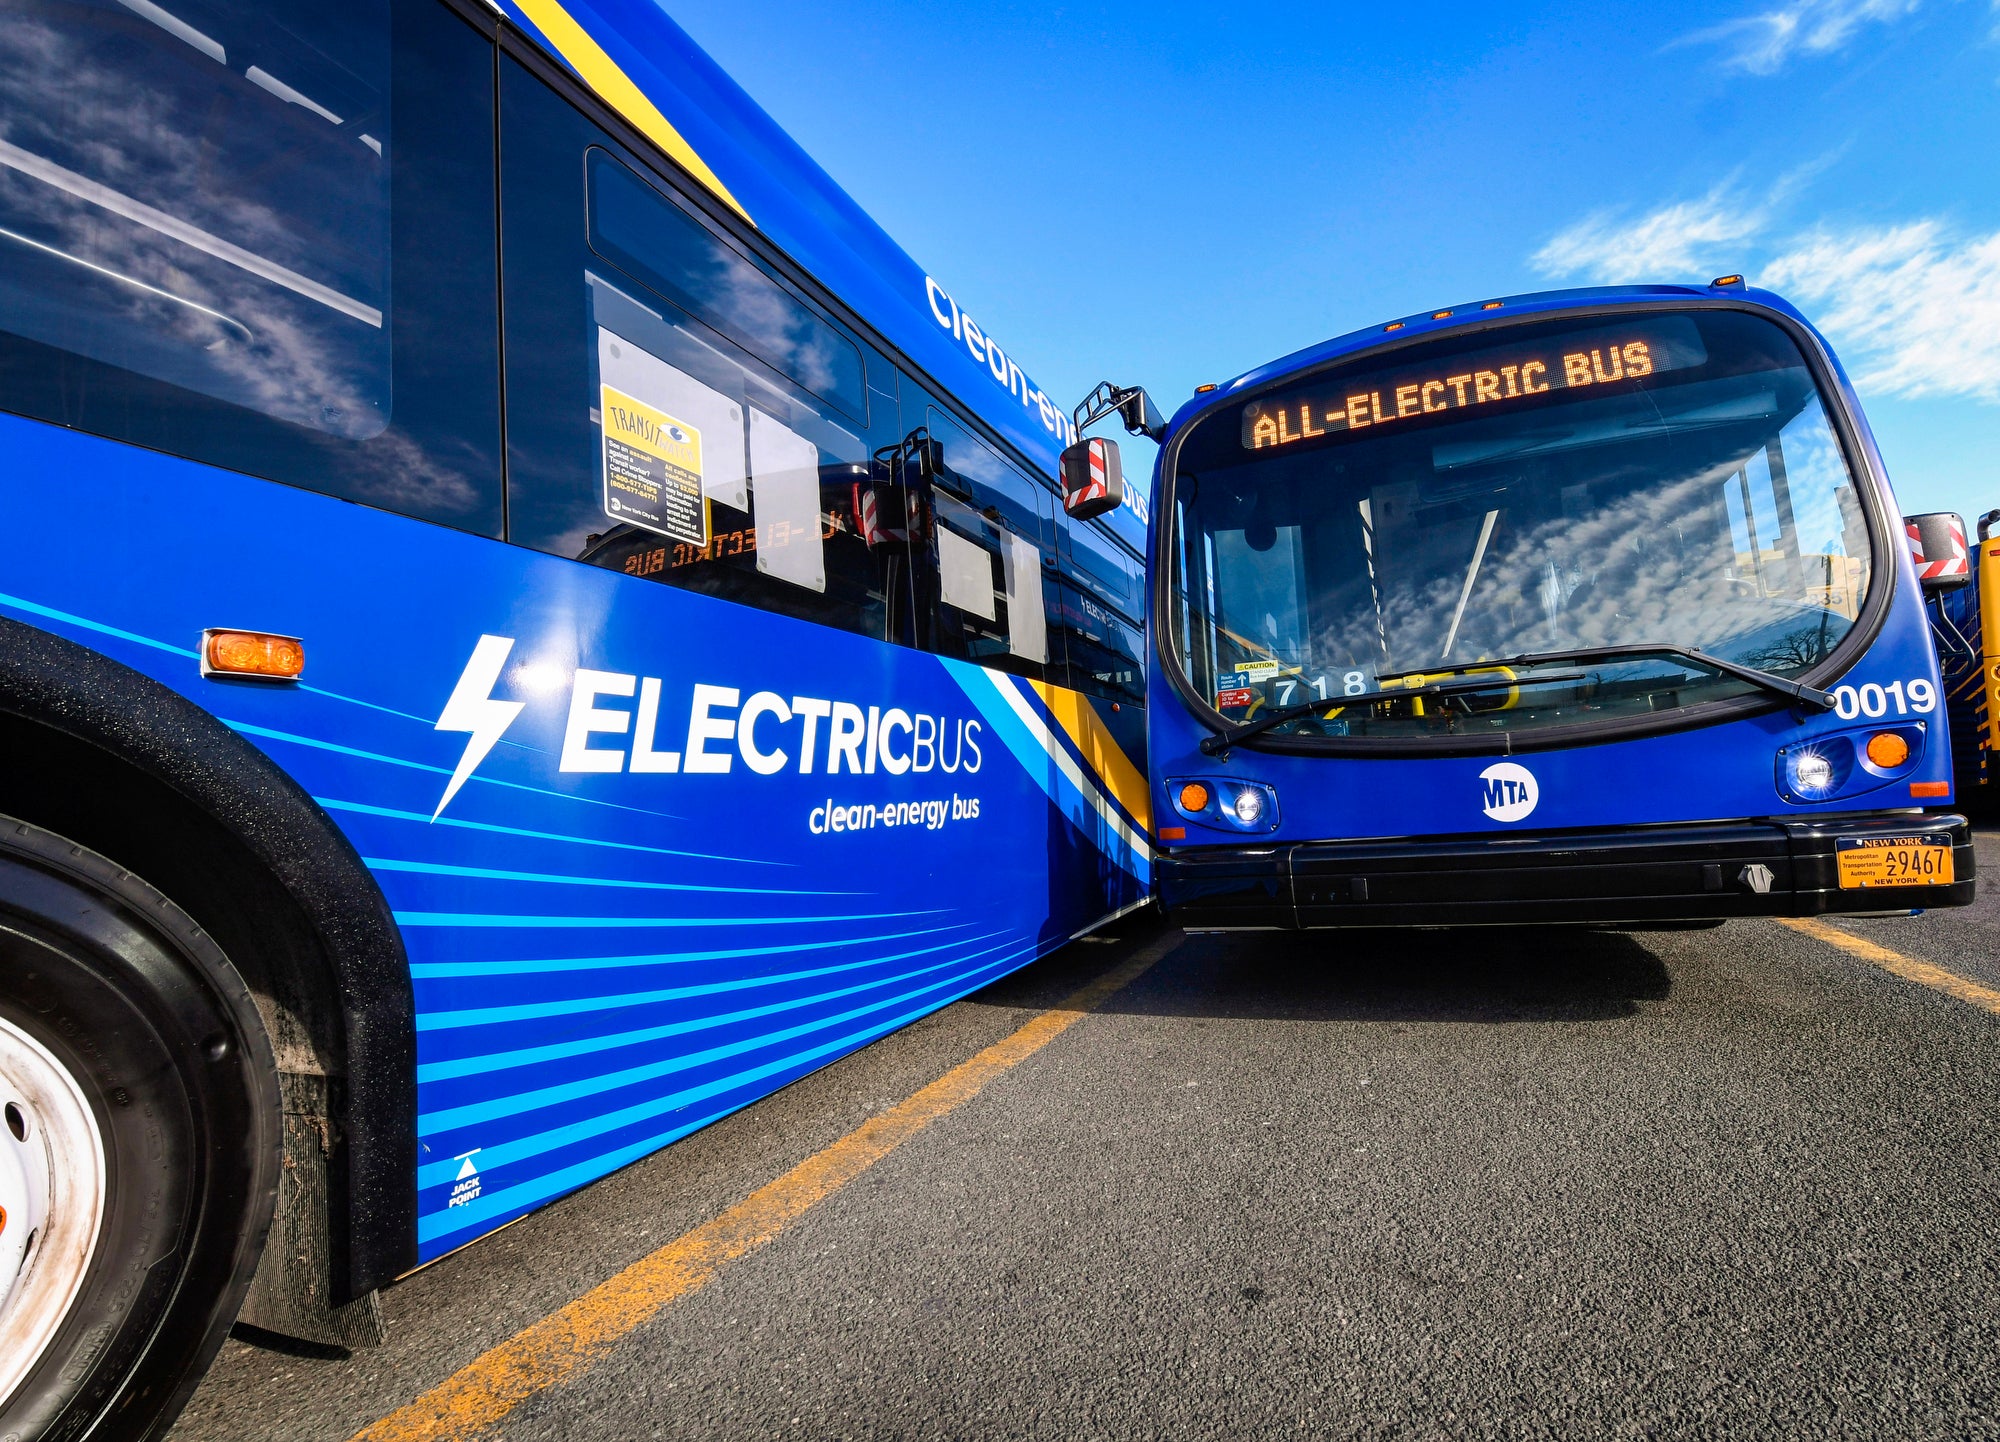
1893	861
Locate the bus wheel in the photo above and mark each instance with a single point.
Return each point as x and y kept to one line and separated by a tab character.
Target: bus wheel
139	1145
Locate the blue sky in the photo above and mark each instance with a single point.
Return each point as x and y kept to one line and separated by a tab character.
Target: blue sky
1168	194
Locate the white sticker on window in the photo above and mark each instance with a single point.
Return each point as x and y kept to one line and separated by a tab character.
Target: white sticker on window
965	574
1027	622
643	375
784	468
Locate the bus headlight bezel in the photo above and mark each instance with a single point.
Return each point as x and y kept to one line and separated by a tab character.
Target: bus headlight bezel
1232	804
1835	767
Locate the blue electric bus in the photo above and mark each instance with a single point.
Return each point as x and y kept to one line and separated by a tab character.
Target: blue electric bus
1590	606
527	622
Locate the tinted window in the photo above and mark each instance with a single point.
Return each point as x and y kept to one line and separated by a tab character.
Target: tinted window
984	595
645	233
258	235
651	443
1102	565
1104	653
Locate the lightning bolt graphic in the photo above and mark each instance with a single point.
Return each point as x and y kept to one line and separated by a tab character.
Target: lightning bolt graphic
472	708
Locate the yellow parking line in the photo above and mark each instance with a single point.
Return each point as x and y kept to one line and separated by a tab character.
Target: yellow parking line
1909	968
569	1341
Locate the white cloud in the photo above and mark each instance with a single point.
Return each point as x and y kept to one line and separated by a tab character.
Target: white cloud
1913	310
1762	43
1677	242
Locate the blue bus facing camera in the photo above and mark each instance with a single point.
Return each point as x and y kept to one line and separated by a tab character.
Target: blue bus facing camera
1590	606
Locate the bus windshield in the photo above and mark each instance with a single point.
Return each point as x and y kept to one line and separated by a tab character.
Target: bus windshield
1657	479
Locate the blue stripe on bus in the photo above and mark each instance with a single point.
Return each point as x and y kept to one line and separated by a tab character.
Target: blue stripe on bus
452	1118
444	969
611	1041
536	1189
982	688
578	1006
478	919
68	618
360	808
488	873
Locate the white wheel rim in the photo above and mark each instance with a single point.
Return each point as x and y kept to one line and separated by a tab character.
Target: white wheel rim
52	1186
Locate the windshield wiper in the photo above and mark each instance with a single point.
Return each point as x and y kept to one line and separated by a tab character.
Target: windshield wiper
1462	686
1796	692
1793	691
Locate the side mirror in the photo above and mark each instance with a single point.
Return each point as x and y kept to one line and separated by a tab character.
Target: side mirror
1093	481
1937	545
1133	407
1140	415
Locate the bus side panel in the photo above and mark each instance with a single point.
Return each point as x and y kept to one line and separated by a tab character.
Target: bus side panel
635	891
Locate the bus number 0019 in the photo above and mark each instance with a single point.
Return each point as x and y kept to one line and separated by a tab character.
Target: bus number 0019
1851	703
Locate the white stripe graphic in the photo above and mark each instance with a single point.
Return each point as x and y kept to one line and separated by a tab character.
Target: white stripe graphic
1070	770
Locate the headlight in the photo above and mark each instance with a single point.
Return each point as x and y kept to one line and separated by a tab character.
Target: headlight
1226	803
1812	773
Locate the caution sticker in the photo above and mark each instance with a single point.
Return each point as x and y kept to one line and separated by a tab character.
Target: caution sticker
652	469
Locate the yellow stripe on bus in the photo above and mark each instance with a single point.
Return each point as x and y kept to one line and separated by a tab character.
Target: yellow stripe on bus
1103	754
613	86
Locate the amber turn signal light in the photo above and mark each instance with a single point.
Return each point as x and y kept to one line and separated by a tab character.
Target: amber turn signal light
1887	750
252	653
1194	796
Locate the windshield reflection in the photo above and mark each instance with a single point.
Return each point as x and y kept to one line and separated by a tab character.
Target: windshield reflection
1704	503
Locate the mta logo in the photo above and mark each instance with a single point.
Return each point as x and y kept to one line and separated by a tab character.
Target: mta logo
1508	791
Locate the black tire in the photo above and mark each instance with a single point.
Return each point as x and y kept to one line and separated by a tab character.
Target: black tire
165	1041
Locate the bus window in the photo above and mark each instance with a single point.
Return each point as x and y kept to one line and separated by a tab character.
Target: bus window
641	230
236	234
1103	652
649	432
1099	563
985	595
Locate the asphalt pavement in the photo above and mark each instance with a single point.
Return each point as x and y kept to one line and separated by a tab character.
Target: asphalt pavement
1555	1183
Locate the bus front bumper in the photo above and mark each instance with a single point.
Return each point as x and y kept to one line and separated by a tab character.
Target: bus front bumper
1636	874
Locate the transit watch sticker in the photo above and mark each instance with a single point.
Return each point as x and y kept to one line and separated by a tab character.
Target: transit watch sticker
652	469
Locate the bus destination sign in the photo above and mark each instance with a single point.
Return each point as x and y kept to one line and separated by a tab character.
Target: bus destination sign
1474	378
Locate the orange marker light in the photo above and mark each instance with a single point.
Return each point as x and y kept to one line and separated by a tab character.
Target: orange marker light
1440	315
1393	325
1493	305
1888	750
252	653
1194	796
1204	390
1173	833
1930	788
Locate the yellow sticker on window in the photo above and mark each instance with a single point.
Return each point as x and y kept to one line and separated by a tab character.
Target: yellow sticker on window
652	469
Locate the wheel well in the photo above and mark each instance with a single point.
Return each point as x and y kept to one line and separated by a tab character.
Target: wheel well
134	770
101	801
85	793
